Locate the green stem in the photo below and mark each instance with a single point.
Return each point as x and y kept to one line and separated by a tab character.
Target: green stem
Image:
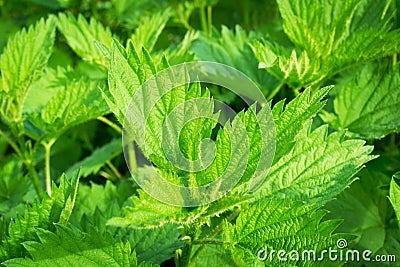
208	241
47	147
11	143
106	175
114	169
34	178
28	161
275	91
246	13
131	158
203	19
209	18
185	257
110	123
296	91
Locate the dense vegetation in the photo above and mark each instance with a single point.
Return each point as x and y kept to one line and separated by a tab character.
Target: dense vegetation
69	69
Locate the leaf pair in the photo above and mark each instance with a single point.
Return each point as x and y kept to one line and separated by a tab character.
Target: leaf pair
329	36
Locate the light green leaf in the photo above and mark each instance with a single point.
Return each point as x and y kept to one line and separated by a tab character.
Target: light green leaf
329	36
232	48
14	186
368	101
318	167
281	225
213	253
75	249
130	12
150	28
367	214
394	194
155	245
50	83
180	53
23	60
98	197
292	67
92	164
80	101
148	212
54	209
292	118
127	72
81	37
100	203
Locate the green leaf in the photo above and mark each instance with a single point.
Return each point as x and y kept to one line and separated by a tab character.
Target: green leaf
54	209
281	225
213	253
155	245
14	187
76	249
81	37
46	87
23	60
232	48
180	53
80	101
368	101
130	12
99	197
98	204
127	72
147	212
93	163
318	167
394	194
329	36
292	118
367	214
150	28
151	245
294	68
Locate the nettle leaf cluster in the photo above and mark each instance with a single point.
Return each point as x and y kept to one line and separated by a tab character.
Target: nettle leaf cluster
329	69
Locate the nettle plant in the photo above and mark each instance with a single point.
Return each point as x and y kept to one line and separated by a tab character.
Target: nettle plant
49	112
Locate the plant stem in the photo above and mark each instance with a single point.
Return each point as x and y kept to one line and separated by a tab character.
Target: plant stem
131	157
47	147
203	19
110	123
27	161
185	257
275	91
207	241
246	13
11	143
34	178
209	18
114	169
296	91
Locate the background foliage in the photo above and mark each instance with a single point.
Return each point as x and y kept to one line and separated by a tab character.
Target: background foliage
69	68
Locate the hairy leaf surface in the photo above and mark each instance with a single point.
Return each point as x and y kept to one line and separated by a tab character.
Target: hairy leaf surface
22	62
368	102
54	209
81	37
